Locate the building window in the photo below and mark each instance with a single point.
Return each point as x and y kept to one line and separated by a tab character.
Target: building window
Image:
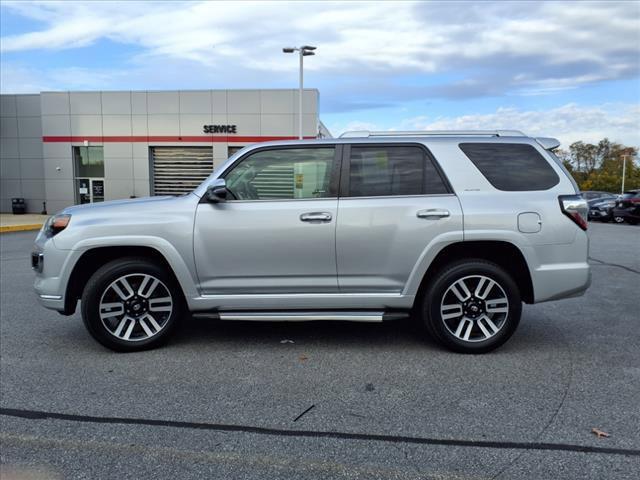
233	150
89	162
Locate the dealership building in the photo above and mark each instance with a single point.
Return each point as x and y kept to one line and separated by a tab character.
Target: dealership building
65	148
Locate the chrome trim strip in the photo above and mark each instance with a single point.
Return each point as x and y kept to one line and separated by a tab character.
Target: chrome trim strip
51	297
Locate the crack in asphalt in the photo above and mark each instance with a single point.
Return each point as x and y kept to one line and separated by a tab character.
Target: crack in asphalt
558	408
617	265
42	415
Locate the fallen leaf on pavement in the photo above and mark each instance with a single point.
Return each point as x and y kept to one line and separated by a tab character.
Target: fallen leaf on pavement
302	358
599	433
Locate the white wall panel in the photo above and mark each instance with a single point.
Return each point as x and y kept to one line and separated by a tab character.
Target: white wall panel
116	103
85	103
115	125
28	105
54	103
195	101
243	101
163	102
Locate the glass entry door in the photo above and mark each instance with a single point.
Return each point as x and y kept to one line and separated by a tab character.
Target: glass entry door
90	190
89	173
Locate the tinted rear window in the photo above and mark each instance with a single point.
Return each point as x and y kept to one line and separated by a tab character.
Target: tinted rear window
514	167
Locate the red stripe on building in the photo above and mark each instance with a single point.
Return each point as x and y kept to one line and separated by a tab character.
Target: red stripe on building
167	139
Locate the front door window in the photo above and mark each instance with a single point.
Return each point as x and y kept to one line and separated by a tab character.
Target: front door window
286	174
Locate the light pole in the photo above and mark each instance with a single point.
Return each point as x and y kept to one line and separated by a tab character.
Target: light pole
303	51
624	170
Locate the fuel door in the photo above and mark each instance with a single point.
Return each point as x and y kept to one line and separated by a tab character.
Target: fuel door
529	222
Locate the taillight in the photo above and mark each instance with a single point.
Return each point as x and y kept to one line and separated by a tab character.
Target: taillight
575	207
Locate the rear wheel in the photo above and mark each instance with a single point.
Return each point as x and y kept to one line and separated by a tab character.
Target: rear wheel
472	306
131	304
618	219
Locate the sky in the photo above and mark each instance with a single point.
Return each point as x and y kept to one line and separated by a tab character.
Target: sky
569	70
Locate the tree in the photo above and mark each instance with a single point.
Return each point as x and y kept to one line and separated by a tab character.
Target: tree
599	167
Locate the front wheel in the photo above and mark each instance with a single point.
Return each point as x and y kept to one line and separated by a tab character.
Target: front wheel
131	304
472	306
618	219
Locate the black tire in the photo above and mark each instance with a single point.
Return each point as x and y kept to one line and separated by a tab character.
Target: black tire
618	219
132	268
471	271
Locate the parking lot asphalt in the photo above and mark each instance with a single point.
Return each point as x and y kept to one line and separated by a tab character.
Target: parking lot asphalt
224	400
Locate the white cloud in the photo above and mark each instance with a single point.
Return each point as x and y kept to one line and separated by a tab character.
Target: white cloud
569	123
546	49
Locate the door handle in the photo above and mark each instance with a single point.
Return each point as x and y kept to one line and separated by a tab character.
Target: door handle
433	213
315	217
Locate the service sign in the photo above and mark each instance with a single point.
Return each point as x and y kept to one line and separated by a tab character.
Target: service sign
220	129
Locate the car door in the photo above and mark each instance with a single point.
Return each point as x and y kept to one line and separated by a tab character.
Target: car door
276	231
394	202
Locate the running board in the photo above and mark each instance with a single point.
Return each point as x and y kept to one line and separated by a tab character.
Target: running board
303	316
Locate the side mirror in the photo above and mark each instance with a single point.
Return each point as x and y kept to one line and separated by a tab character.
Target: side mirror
217	191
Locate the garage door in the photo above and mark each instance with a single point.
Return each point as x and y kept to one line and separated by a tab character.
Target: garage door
178	170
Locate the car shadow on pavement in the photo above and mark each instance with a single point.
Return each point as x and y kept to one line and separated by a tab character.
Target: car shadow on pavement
208	331
533	334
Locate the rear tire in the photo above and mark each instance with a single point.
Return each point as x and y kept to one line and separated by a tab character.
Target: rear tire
472	306
131	304
618	219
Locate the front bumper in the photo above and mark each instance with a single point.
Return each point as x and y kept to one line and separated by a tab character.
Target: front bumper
51	266
631	213
599	214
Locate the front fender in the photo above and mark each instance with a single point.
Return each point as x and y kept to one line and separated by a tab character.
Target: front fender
181	270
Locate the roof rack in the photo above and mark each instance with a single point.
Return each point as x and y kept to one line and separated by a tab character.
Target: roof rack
438	133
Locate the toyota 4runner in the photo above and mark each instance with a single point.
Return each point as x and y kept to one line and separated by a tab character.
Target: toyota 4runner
455	228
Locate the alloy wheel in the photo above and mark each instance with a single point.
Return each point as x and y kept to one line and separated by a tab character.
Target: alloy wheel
474	308
135	307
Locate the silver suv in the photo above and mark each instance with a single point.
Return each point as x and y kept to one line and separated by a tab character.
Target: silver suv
456	228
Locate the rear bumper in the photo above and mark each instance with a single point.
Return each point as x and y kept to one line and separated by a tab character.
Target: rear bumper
561	271
553	282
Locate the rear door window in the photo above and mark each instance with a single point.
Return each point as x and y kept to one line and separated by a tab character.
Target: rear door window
514	167
376	171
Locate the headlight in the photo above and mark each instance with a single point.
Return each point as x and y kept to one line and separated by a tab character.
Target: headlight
56	224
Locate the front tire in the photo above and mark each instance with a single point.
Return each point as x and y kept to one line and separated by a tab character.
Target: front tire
131	304
472	306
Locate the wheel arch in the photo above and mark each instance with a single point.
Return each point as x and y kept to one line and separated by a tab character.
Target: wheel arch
505	254
93	258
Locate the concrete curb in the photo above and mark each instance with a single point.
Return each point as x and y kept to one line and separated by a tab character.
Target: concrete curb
20	228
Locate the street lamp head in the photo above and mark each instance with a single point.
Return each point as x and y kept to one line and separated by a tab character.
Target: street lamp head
288	50
308	47
306	54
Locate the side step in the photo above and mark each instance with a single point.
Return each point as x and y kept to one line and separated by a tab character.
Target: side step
304	316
